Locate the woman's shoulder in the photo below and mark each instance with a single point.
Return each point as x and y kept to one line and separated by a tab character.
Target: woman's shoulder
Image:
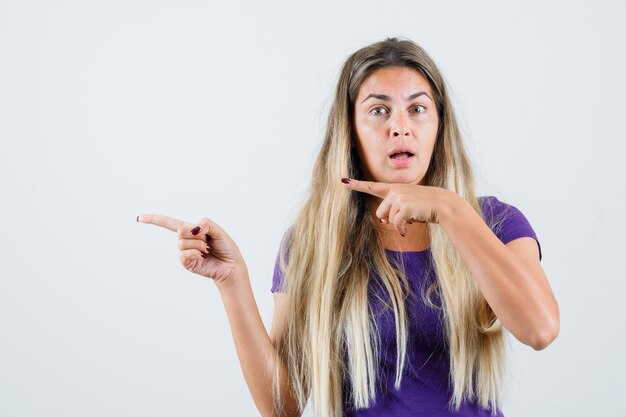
506	220
491	202
495	209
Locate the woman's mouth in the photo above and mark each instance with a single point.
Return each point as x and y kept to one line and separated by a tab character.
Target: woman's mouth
402	159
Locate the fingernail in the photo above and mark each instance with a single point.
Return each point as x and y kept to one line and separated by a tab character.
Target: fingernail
381	220
204	255
137	218
208	248
207	237
345	180
195	230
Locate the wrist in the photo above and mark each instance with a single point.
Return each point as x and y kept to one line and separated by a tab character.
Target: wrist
234	281
450	205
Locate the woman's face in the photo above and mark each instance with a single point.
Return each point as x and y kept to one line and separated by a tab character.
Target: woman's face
394	112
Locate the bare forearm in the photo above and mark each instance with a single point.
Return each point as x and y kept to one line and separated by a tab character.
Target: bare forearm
253	345
520	297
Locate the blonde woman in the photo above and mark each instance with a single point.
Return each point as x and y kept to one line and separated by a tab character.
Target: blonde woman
395	285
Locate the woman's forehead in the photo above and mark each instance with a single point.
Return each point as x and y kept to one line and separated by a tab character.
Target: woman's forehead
400	82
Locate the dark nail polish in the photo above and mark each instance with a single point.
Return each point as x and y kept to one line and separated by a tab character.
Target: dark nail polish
208	248
207	237
195	230
204	255
137	218
345	180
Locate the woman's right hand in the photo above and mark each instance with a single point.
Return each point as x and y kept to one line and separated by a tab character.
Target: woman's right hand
205	248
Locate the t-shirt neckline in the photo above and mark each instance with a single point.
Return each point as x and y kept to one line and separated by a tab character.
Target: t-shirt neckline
417	252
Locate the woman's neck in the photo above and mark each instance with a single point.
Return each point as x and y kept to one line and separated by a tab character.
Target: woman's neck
416	239
417	234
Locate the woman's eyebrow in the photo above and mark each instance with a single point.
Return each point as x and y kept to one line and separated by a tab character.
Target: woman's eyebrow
386	98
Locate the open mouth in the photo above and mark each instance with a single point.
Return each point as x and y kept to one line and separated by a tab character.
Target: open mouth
401	155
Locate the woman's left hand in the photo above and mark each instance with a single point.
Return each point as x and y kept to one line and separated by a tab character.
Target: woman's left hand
405	203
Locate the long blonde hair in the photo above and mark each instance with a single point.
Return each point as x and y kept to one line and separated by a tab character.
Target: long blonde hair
331	334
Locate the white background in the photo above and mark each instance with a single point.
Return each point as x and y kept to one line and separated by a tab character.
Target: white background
192	109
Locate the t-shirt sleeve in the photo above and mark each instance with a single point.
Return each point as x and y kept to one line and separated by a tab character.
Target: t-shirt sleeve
277	279
507	221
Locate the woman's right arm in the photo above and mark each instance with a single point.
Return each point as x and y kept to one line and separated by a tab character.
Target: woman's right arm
254	346
206	249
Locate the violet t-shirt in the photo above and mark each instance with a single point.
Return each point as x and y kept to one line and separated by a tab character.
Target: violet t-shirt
425	389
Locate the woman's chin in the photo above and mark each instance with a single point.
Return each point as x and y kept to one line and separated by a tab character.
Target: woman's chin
405	178
396	177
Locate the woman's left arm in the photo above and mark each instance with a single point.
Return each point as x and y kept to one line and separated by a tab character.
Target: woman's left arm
509	276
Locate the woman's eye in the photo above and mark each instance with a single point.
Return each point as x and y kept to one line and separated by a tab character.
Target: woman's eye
378	110
422	109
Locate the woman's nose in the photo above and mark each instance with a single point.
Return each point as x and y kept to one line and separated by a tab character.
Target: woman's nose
399	126
400	132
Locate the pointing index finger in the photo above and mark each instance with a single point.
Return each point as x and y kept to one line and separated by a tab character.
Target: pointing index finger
169	223
379	189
